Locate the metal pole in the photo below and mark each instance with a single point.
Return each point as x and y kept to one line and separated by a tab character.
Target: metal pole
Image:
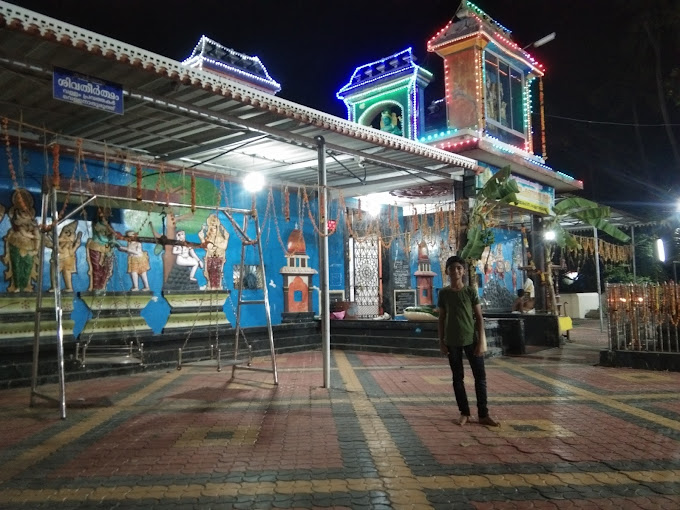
38	305
57	304
632	245
323	263
597	276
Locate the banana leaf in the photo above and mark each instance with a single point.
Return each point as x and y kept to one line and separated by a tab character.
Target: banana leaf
588	212
501	187
474	247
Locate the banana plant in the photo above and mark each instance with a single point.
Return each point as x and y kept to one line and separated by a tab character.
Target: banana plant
574	208
501	188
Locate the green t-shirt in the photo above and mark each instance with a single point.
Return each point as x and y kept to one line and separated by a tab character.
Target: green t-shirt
459	329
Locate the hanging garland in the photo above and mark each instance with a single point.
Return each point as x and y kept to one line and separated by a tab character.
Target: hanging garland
286	204
10	163
56	178
193	193
138	171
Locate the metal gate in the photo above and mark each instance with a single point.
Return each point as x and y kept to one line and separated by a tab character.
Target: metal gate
365	275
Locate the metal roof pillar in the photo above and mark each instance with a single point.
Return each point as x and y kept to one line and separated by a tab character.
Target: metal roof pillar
324	312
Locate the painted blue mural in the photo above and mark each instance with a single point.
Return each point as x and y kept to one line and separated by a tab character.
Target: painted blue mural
106	248
116	255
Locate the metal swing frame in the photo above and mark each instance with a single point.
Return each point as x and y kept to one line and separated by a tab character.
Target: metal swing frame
49	207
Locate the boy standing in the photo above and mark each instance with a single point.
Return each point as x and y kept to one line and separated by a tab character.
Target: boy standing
460	316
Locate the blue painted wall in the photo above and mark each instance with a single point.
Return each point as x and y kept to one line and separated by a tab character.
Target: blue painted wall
275	231
33	165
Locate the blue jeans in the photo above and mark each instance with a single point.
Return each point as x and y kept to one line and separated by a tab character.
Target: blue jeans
478	372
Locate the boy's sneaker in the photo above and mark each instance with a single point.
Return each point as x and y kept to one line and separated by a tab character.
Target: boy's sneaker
489	422
462	420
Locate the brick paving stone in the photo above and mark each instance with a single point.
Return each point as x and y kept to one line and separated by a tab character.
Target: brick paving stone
574	435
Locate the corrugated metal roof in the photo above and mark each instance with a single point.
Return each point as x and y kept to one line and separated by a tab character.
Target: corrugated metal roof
196	119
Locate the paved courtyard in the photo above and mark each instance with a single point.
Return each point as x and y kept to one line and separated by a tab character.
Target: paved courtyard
573	435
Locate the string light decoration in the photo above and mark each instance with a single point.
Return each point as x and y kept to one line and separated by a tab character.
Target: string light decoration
544	150
253	70
479	80
403	76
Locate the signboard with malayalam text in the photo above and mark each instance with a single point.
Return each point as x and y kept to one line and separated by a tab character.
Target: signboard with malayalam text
87	91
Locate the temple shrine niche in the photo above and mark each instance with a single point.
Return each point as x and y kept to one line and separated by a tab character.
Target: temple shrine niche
387	94
297	279
424	275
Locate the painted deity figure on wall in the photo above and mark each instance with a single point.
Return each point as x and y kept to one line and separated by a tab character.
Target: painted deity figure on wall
138	261
21	244
100	254
215	238
389	122
186	256
69	242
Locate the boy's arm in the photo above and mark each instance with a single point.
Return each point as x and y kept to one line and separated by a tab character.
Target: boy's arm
480	346
441	329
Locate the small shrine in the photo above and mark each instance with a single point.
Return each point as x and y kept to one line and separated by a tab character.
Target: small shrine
424	275
297	279
387	94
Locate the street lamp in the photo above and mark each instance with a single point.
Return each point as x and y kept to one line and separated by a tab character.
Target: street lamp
253	182
660	250
542	41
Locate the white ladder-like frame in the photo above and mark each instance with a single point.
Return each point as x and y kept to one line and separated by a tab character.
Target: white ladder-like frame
49	203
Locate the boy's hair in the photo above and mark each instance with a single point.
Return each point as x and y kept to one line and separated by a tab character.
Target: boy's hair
455	259
520	293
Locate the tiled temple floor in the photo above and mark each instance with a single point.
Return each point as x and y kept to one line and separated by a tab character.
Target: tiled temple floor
573	435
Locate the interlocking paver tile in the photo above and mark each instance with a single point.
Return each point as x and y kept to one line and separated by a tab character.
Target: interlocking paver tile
574	435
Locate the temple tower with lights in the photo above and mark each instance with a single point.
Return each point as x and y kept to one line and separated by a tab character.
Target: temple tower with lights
297	279
488	80
387	94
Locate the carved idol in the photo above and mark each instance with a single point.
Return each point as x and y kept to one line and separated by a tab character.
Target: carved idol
21	244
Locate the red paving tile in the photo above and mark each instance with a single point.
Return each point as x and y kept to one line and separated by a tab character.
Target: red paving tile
382	436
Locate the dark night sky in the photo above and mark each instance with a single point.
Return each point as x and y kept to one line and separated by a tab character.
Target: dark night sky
596	86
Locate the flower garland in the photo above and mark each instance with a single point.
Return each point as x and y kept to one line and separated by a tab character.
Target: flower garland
56	178
138	171
286	204
10	163
193	193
